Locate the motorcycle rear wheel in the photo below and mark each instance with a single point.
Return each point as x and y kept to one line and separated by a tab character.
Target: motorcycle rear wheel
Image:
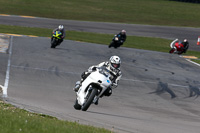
90	99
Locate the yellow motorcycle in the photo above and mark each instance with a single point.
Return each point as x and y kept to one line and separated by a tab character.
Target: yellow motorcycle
55	40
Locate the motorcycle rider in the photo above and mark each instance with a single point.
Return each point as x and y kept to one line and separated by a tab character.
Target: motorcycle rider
186	45
113	65
62	30
184	42
121	36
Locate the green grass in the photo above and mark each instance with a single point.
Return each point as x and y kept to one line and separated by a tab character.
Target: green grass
154	12
194	53
14	120
197	61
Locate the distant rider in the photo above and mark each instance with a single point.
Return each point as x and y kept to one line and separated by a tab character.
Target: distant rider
62	30
185	44
113	65
121	36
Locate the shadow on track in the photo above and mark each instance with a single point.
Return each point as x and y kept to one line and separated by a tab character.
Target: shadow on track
163	87
68	50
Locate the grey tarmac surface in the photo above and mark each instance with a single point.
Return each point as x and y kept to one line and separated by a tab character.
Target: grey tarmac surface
110	28
158	92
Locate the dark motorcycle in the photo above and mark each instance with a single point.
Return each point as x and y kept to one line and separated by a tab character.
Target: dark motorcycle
176	48
116	42
55	40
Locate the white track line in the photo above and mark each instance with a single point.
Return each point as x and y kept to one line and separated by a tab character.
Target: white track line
5	87
193	62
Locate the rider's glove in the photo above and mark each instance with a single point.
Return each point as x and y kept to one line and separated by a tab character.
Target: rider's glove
91	69
94	68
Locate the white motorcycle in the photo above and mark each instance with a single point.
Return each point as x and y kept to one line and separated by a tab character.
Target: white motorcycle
92	88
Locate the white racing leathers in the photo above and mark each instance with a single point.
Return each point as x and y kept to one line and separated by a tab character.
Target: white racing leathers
116	73
93	87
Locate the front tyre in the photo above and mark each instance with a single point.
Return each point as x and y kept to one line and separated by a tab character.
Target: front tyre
53	43
172	50
89	100
76	105
111	44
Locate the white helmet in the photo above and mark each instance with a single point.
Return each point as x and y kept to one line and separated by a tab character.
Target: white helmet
123	31
60	27
185	40
114	62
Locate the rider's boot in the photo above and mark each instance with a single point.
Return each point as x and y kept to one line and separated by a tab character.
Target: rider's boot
97	102
77	86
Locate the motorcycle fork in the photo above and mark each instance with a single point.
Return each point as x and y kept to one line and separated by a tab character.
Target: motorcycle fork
96	97
88	92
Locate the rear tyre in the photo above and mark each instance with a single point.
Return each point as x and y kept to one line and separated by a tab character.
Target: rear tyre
76	105
89	100
180	52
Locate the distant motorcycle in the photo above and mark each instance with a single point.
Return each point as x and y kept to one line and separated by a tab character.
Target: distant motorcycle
176	47
92	88
116	42
55	39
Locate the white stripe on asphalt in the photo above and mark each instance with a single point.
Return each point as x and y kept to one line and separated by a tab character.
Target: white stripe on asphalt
193	62
5	87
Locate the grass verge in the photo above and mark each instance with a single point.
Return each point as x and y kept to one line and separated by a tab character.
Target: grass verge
154	12
14	120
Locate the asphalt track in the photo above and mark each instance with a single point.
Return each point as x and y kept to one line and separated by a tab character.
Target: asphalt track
158	92
111	28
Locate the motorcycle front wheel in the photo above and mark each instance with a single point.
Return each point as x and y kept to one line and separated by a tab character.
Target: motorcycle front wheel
111	44
172	51
53	43
89	99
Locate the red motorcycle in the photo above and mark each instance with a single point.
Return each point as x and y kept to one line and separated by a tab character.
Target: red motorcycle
176	47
